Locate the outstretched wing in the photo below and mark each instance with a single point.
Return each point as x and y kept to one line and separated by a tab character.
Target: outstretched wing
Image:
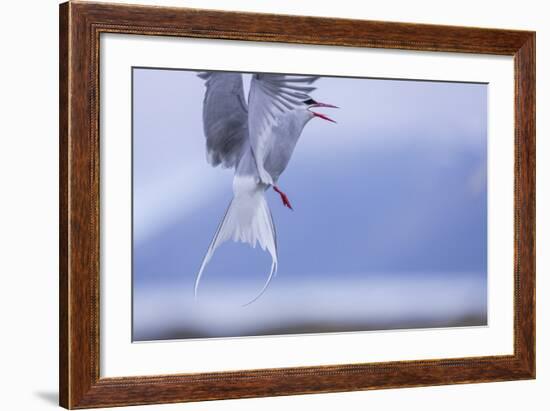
225	117
271	96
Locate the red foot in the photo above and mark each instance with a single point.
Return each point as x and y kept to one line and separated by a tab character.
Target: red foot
284	198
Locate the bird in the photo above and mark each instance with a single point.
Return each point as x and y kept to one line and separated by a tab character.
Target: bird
256	138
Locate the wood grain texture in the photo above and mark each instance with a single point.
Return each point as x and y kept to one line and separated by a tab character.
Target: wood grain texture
525	202
80	27
63	205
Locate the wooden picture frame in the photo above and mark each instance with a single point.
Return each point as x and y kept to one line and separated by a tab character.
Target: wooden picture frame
81	24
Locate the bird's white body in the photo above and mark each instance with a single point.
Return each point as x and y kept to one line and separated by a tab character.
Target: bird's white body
258	141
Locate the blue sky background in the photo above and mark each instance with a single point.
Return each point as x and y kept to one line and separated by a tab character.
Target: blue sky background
389	228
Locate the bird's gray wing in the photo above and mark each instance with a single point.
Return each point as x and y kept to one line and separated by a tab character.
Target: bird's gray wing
285	135
225	117
271	96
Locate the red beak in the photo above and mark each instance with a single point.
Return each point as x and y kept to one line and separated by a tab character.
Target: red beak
323	105
323	116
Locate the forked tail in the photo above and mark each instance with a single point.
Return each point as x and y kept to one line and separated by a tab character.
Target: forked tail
247	220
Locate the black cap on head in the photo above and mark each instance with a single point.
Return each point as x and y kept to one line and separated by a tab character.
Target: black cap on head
310	101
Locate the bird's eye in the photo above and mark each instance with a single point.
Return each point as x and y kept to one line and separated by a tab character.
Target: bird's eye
309	102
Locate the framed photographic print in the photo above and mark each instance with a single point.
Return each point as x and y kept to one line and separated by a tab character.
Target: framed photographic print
257	205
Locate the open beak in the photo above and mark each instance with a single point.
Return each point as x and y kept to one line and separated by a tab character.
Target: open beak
323	116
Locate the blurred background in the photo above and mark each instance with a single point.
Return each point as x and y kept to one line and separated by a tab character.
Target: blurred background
389	228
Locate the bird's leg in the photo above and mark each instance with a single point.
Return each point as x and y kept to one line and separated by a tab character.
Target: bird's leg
284	197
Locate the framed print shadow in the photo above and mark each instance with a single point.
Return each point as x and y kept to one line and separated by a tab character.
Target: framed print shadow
258	205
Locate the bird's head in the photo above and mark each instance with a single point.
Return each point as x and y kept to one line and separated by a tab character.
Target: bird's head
310	104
